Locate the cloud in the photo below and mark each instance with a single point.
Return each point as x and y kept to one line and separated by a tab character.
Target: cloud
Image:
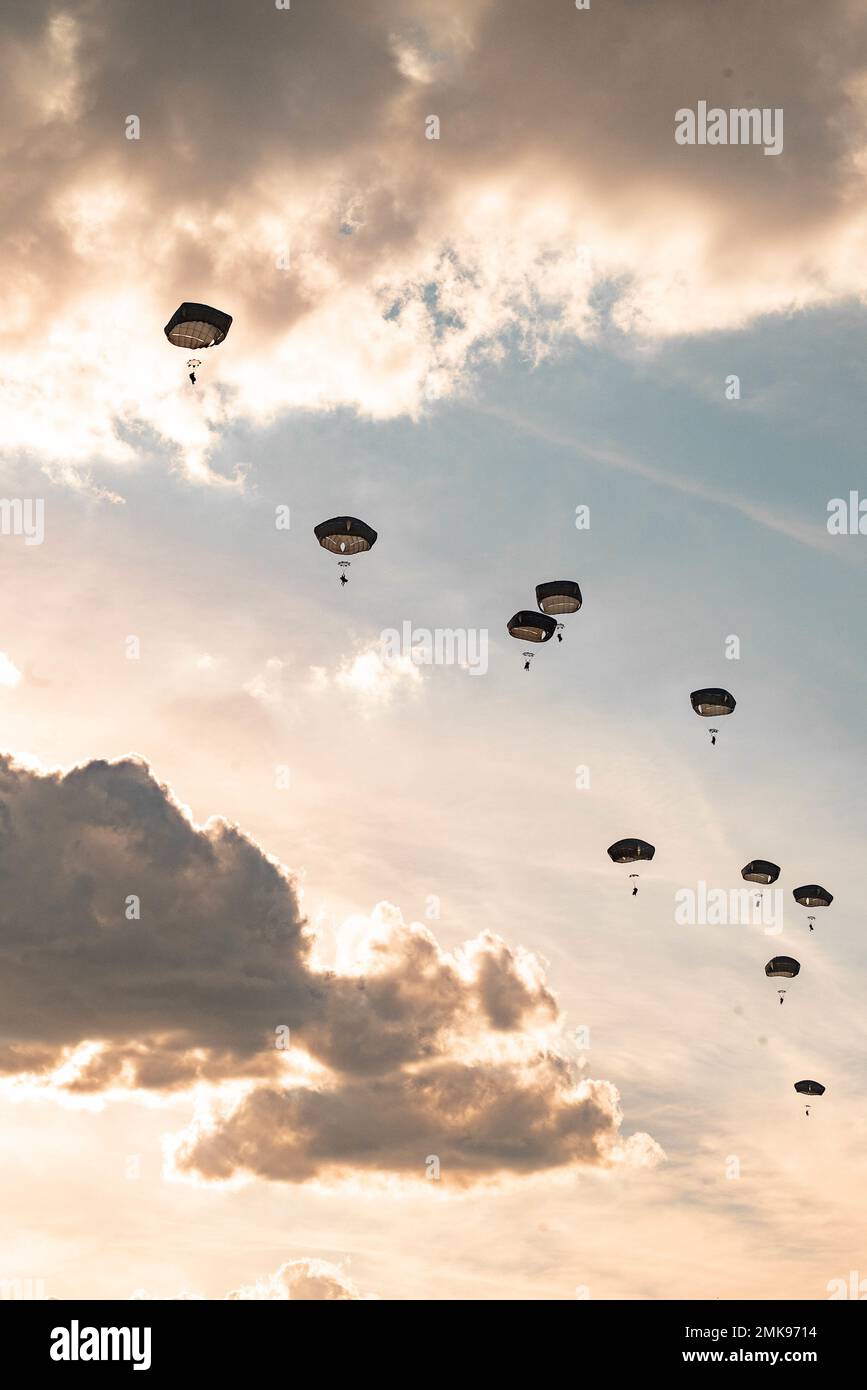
267	685
366	265
142	953
309	1280
9	673
772	519
477	1121
302	1279
375	677
370	676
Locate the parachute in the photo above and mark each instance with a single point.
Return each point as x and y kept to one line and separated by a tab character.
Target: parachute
558	597
712	703
809	1088
630	852
345	535
195	327
782	968
811	895
761	871
528	626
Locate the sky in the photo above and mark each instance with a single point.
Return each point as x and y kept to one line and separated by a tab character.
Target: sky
317	980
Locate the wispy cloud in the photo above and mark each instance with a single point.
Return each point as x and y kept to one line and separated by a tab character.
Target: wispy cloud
815	535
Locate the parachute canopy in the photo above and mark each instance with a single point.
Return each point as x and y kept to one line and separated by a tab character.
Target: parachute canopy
811	895
782	967
628	851
195	326
559	596
809	1088
345	535
760	871
712	703
532	627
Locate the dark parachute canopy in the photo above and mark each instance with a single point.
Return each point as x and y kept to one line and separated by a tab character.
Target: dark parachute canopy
760	871
628	851
809	1089
712	703
811	895
196	326
782	968
559	596
345	535
532	627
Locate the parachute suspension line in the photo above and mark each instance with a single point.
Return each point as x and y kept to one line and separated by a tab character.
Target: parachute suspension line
343	536
631	852
529	626
809	1089
197	327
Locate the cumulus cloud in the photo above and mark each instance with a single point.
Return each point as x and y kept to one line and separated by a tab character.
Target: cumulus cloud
477	1121
140	952
310	1280
302	1279
283	173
